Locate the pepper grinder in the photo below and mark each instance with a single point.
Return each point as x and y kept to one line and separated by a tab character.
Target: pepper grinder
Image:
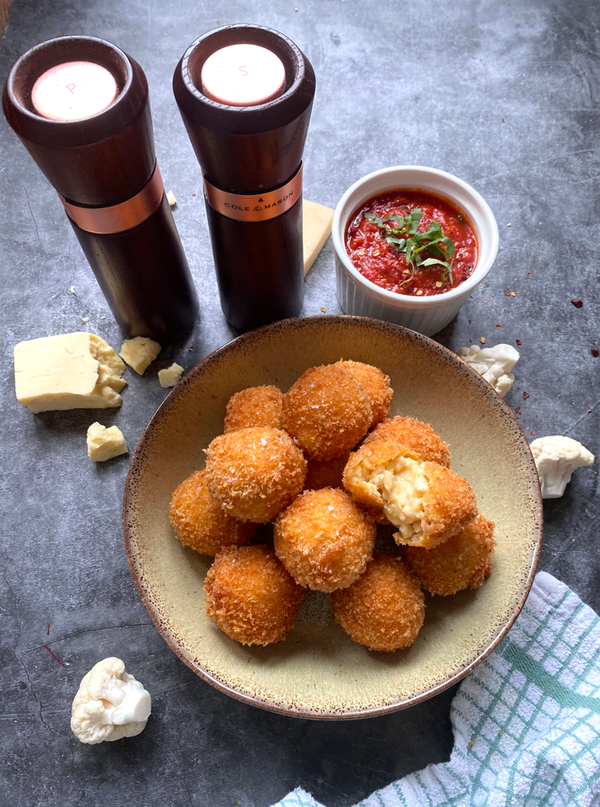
80	107
245	94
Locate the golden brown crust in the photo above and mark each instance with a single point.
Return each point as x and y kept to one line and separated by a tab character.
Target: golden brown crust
326	474
377	384
418	436
253	474
449	505
254	406
324	539
250	595
463	561
327	411
201	524
385	608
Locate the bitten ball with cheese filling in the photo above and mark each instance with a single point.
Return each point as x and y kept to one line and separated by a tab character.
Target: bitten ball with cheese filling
201	524
414	434
384	609
377	385
253	474
254	406
463	561
250	596
327	411
324	539
427	502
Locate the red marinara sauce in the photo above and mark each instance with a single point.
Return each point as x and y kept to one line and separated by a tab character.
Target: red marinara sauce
380	263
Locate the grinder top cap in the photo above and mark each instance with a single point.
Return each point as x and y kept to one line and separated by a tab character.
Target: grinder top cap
243	75
73	90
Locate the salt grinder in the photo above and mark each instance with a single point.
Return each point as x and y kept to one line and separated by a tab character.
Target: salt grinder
245	94
80	107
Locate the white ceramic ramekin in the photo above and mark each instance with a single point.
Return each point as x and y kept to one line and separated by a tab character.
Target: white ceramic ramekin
427	315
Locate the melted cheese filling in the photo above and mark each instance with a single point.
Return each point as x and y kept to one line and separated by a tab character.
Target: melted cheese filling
402	485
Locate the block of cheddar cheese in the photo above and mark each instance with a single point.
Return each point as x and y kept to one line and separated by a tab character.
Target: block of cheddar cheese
316	230
68	371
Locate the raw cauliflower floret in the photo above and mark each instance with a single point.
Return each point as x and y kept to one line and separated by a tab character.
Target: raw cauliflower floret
556	458
493	363
110	704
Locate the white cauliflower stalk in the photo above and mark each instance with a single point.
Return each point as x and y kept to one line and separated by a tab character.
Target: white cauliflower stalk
493	363
555	459
110	704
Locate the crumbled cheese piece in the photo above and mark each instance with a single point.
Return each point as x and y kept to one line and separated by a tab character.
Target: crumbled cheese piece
170	375
316	230
171	199
85	319
139	352
68	371
104	444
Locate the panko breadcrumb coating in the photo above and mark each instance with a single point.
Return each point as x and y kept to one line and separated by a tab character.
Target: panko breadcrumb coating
327	411
463	561
201	524
427	502
326	474
253	474
250	595
377	385
324	539
254	406
412	433
384	609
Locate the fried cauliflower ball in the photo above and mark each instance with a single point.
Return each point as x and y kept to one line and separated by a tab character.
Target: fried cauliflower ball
384	609
427	502
463	561
327	411
377	385
254	406
253	474
201	524
326	474
324	539
413	434
250	595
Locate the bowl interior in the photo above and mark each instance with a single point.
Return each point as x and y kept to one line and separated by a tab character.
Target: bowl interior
318	671
429	180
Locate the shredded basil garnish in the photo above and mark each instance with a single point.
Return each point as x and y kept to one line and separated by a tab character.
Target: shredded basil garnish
421	249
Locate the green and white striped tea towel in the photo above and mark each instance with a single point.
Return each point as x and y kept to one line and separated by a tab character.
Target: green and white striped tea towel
526	721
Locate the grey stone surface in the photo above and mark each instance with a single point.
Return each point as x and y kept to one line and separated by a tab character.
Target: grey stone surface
506	96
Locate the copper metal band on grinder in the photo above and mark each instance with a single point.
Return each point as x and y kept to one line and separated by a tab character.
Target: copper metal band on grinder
121	217
256	206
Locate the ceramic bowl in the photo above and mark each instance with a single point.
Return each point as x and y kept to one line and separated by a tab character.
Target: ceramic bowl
427	315
318	672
